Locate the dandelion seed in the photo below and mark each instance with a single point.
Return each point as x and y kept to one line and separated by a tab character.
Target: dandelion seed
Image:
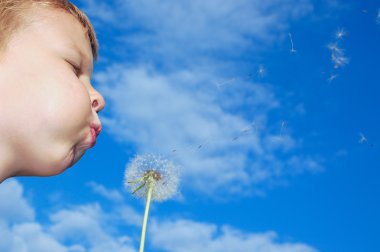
378	17
284	125
362	139
245	130
251	126
338	56
340	33
220	84
152	177
261	71
292	50
332	77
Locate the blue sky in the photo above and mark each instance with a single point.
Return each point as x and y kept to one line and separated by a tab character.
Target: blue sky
269	107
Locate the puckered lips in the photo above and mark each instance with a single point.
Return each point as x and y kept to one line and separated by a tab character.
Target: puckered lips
80	149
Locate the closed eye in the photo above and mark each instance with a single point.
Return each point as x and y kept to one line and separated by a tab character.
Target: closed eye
75	68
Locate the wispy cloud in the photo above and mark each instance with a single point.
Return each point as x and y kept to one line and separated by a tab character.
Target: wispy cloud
14	207
179	32
110	194
180	90
218	136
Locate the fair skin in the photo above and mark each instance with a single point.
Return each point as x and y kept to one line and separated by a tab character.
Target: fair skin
48	107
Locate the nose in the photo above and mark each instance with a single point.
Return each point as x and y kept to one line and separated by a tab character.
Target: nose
97	101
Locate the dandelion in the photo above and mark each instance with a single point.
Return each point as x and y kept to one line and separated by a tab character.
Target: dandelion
154	178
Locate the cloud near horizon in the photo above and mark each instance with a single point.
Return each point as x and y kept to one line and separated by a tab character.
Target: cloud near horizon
88	228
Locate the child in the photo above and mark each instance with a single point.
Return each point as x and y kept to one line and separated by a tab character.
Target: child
48	107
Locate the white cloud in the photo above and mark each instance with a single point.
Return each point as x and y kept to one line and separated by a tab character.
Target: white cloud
14	207
87	228
110	194
82	228
180	109
218	136
129	215
31	237
18	230
177	32
175	105
100	10
187	236
302	164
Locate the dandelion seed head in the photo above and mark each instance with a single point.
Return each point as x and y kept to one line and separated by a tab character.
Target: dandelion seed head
163	173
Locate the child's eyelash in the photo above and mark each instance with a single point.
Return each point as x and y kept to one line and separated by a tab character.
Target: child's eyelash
75	68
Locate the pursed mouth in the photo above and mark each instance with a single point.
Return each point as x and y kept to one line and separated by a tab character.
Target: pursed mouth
88	143
97	128
80	149
94	134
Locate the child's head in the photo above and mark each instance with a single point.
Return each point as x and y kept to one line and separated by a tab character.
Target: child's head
14	16
48	107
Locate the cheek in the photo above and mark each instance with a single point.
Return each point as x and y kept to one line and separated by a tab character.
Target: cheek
54	113
66	103
62	116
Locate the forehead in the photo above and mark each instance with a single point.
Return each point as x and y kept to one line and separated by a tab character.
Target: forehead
60	29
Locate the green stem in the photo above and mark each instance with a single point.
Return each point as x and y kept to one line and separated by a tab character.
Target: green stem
148	199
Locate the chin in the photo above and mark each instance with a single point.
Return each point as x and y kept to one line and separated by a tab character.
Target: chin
48	162
53	167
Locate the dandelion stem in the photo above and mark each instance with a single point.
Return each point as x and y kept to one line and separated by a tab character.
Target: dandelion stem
148	199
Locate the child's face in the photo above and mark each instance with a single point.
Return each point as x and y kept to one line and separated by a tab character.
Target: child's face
52	105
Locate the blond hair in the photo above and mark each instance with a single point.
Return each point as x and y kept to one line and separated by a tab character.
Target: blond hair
12	18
